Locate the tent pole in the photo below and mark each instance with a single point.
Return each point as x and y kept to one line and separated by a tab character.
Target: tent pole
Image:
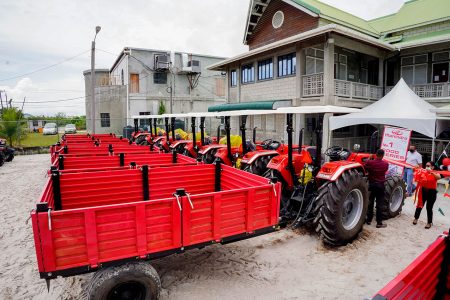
432	149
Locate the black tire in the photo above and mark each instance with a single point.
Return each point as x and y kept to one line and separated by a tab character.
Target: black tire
341	208
136	280
2	159
394	197
9	157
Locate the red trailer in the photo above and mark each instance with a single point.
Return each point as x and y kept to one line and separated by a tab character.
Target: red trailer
112	221
427	277
69	162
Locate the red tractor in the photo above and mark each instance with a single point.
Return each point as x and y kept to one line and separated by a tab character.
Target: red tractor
332	196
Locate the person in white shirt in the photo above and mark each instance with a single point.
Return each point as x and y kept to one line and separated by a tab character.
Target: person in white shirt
413	158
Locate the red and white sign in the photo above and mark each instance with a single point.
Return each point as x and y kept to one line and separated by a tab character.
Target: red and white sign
395	144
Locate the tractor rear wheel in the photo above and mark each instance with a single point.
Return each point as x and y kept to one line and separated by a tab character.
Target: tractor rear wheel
394	196
341	208
9	157
136	280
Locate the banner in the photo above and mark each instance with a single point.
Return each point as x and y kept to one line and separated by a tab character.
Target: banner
395	143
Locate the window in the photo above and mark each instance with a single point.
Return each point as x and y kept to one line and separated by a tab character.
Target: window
144	122
134	83
105	120
233	78
265	69
248	73
314	61
159	78
340	66
440	56
270	122
287	65
35	123
414	69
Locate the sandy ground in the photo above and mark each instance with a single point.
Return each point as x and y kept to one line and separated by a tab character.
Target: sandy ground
281	265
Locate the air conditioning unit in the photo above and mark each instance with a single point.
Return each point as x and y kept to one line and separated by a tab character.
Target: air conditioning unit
193	66
162	61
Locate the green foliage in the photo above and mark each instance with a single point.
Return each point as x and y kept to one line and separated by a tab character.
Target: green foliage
162	108
11	126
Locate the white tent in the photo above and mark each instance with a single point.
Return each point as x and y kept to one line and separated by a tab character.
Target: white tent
401	107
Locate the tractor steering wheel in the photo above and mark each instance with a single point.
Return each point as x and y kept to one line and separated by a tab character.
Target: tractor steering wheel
337	153
265	144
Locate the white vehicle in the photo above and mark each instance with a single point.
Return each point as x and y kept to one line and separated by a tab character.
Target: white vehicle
70	128
50	128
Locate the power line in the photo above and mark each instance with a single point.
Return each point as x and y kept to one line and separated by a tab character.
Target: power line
44	68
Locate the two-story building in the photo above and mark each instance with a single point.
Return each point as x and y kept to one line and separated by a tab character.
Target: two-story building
311	53
141	81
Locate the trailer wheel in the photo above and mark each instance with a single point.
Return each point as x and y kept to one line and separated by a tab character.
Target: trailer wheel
394	196
341	208
137	280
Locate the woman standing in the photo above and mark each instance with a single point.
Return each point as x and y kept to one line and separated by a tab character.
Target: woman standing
426	192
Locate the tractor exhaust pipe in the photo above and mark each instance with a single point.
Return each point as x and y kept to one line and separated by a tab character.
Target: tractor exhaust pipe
254	135
300	140
318	161
228	132
136	126
172	124
166	121
218	133
202	131
289	130
244	143
150	127
374	142
154	125
194	142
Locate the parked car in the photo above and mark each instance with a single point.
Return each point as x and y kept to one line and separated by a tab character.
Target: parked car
50	128
70	128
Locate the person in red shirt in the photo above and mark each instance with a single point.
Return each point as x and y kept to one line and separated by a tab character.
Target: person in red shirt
427	193
377	169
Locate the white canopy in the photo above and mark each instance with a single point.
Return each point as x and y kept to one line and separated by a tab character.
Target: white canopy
400	107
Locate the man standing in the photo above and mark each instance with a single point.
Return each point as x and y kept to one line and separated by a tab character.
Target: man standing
415	159
377	169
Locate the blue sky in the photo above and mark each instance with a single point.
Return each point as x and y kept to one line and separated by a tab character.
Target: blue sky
35	34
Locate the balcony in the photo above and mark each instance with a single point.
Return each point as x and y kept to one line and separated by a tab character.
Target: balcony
429	90
313	87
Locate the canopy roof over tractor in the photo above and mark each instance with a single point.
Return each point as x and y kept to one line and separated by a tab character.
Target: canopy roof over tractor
401	107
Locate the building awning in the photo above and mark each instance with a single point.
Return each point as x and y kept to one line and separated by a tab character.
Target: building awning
255	105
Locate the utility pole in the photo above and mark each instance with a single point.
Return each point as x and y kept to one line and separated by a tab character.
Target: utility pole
97	30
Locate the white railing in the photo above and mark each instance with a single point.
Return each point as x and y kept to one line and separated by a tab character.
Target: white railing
312	85
350	89
429	90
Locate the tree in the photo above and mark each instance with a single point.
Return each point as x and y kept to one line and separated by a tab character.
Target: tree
10	125
162	108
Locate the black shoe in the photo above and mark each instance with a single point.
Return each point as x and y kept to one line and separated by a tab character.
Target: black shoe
368	222
381	225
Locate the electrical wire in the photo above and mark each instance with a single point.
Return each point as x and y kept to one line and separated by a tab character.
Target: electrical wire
44	68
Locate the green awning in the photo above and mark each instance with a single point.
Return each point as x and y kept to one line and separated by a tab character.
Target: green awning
254	105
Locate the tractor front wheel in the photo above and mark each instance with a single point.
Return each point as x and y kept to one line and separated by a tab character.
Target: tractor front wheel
394	196
136	280
341	208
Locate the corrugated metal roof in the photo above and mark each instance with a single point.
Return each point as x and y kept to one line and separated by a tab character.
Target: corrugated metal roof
413	13
337	16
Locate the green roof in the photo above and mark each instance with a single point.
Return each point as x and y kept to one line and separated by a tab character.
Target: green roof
413	13
257	105
336	15
443	34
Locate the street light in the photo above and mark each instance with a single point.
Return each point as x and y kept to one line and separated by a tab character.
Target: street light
97	30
